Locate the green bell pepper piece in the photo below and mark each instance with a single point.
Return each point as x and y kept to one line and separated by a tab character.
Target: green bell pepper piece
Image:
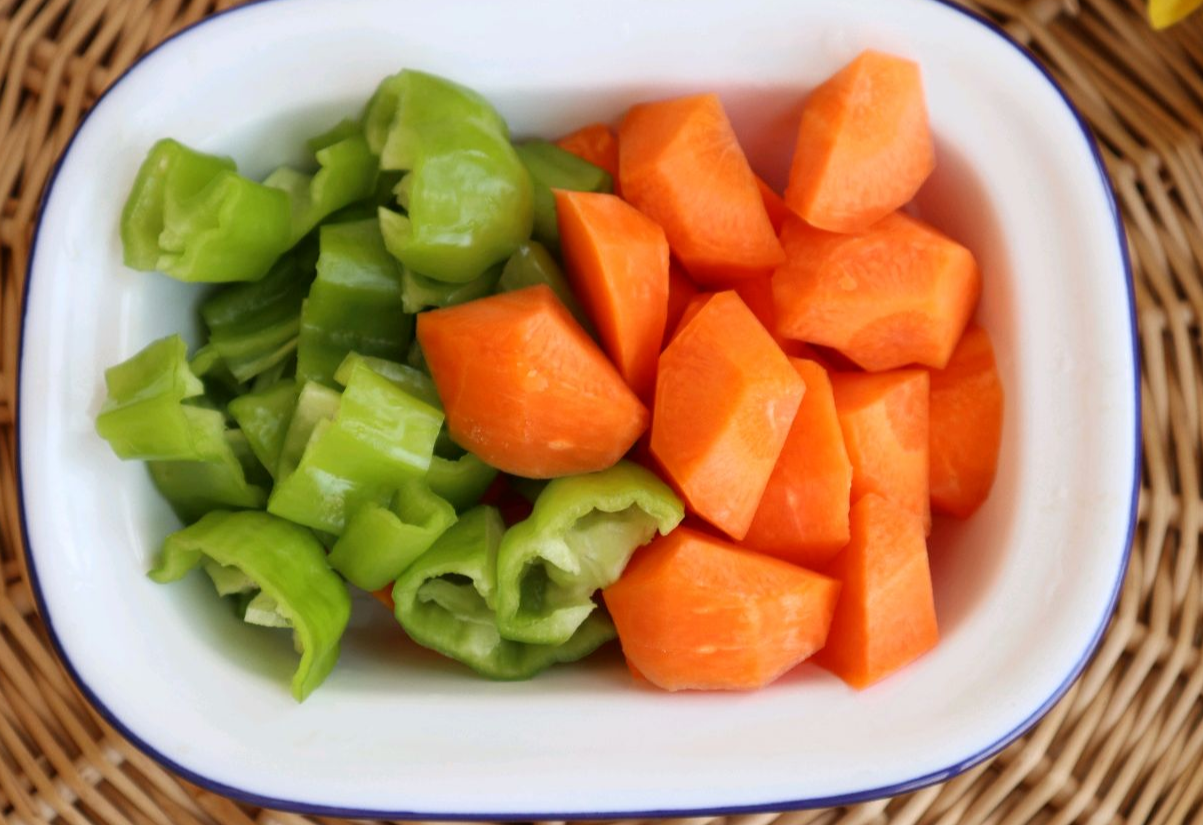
315	403
551	167
264	416
579	538
445	601
461	481
170	172
354	305
345	128
469	202
380	437
144	415
416	383
274	375
194	488
419	292
287	564
532	265
252	468
261	609
254	326
193	217
380	542
347	174
410	104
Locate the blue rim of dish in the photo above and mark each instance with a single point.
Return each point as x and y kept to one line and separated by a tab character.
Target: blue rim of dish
311	809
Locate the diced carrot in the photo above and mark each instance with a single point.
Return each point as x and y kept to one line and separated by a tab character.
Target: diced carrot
966	426
680	164
803	515
886	616
884	418
899	294
680	291
774	204
595	143
525	388
725	398
690	312
617	263
385	596
696	612
864	147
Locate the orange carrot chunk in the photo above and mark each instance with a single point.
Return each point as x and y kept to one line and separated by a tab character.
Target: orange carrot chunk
864	147
595	143
803	515
884	418
725	398
886	616
680	164
617	263
899	294
774	204
526	389
695	612
680	292
691	310
966	426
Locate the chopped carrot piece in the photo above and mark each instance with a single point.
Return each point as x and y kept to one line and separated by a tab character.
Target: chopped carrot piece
803	515
725	398
680	164
617	263
545	401
884	418
696	612
886	615
899	294
864	147
966	426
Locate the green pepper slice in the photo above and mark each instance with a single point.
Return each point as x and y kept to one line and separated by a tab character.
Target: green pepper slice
287	564
419	292
380	542
445	602
264	416
460	481
532	265
380	437
347	174
354	304
578	539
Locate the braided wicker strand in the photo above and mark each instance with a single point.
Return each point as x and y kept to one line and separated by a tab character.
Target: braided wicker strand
1124	745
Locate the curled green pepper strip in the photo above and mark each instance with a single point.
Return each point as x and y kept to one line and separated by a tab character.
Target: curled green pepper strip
419	292
144	415
532	265
347	175
409	105
469	202
380	542
445	601
550	168
578	539
415	382
315	404
193	217
194	488
354	305
172	173
345	128
288	565
380	437
468	199
264	416
254	326
460	481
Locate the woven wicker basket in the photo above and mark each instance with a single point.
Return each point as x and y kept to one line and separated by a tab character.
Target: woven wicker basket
1124	745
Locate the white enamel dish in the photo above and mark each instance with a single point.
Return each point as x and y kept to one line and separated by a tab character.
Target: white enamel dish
1024	589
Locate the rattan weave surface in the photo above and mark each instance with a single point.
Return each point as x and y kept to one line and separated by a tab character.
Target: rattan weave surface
1124	745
